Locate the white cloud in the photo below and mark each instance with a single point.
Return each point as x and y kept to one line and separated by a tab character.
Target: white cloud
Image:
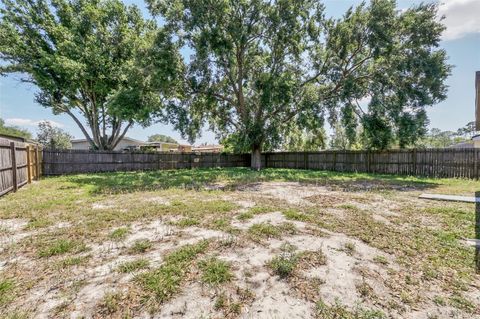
461	18
29	122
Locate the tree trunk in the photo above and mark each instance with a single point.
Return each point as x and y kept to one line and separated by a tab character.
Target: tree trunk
256	162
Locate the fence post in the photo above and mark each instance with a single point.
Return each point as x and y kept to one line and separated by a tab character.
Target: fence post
37	164
334	160
368	160
14	166
29	172
475	163
414	160
305	160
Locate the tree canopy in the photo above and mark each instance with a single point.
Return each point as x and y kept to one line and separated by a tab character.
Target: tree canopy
259	69
161	138
52	137
98	61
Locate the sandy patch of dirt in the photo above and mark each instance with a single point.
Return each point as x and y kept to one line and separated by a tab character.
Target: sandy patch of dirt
108	205
192	303
274	300
158	200
11	231
290	192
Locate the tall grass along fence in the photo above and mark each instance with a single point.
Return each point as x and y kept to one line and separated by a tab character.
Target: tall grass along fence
83	161
461	163
19	163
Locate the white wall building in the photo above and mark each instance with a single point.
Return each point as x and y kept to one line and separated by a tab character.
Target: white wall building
125	143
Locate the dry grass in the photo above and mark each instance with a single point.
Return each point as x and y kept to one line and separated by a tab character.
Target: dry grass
126	244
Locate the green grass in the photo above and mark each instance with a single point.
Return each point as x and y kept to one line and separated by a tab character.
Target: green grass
349	248
39	222
338	311
260	231
134	265
264	230
140	246
245	216
423	240
292	214
215	271
6	291
62	246
187	222
119	234
162	283
462	303
284	264
71	261
380	260
127	182
111	302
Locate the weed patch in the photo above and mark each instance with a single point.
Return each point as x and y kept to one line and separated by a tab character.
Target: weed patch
134	265
119	234
140	246
215	271
162	283
62	246
284	264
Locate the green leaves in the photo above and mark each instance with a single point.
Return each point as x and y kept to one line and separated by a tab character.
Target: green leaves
261	70
52	137
99	60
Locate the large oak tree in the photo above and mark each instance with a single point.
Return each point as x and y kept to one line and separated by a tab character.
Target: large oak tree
259	69
98	61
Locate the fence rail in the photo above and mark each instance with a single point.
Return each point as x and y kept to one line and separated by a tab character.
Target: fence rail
19	164
460	163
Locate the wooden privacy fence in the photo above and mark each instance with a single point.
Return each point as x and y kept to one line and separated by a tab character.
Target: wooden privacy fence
458	163
461	163
19	164
82	161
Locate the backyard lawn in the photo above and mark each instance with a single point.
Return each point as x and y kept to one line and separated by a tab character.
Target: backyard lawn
228	243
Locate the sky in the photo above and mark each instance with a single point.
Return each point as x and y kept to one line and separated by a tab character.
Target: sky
461	40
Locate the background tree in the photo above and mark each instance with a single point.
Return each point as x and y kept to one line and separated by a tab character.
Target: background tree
468	131
437	138
52	137
161	138
90	58
14	130
305	141
339	139
260	68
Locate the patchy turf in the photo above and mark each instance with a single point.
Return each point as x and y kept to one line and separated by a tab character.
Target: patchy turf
228	243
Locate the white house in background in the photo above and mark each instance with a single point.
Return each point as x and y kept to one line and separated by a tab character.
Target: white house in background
125	143
473	143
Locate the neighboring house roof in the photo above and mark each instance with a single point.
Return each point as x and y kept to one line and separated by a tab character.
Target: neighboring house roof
207	146
81	140
161	143
467	144
12	137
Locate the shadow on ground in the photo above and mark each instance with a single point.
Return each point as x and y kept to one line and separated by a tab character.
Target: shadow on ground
234	178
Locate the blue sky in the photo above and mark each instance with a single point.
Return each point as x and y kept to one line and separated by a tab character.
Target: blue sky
461	41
